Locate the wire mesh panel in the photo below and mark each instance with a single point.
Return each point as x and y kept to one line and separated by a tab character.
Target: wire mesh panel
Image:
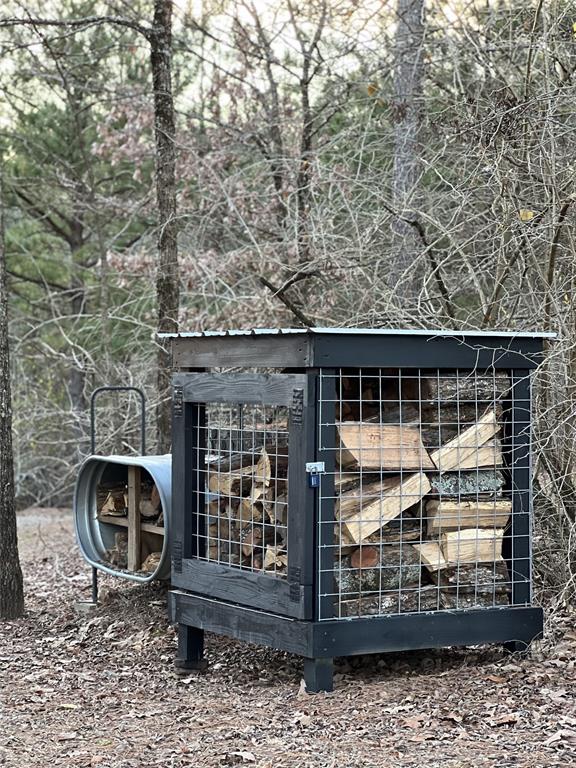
243	495
424	471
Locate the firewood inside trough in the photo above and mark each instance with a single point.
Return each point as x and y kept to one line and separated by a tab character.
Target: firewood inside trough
115	503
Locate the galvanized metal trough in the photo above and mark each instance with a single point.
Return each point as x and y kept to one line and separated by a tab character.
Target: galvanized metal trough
96	535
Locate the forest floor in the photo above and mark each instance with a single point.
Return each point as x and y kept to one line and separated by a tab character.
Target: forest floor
100	689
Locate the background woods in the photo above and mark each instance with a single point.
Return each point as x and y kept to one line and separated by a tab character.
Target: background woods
385	163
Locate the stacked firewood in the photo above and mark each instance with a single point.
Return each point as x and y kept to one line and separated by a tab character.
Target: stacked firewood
112	508
419	512
248	509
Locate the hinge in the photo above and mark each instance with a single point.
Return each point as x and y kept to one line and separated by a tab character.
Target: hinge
294	583
178	401
297	406
177	556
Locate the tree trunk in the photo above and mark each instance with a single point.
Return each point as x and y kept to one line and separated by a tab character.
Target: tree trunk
76	372
11	589
407	116
167	281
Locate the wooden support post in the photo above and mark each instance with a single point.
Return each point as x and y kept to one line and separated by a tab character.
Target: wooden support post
319	675
134	532
190	649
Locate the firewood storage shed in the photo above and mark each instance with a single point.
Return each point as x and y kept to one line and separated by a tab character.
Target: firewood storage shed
352	491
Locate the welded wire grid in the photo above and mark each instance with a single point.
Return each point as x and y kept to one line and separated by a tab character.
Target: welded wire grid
243	488
416	503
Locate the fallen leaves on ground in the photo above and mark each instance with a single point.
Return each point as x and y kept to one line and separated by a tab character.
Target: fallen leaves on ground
99	689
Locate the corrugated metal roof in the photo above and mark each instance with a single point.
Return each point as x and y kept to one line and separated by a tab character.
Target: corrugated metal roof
360	331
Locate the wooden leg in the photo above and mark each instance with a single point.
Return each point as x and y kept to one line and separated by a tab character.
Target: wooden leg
134	532
319	675
190	649
517	647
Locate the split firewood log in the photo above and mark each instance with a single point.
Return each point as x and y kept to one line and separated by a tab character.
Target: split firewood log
472	545
250	512
468	450
433	556
255	537
445	515
361	512
275	505
381	568
484	483
237	474
369	445
275	557
261	477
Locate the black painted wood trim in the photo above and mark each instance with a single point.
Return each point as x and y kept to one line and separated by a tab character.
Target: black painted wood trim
301	497
253	589
249	625
427	630
246	351
518	548
423	352
258	388
348	637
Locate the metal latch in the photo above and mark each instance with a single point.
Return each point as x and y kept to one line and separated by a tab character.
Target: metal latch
314	470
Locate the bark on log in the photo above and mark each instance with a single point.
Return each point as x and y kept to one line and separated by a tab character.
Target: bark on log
11	584
395	567
450	387
485	483
427	598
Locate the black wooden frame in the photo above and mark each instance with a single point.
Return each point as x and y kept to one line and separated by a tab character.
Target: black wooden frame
356	350
288	597
261	609
517	550
520	625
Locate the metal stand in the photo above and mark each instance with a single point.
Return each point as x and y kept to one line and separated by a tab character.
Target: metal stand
95	586
95	394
